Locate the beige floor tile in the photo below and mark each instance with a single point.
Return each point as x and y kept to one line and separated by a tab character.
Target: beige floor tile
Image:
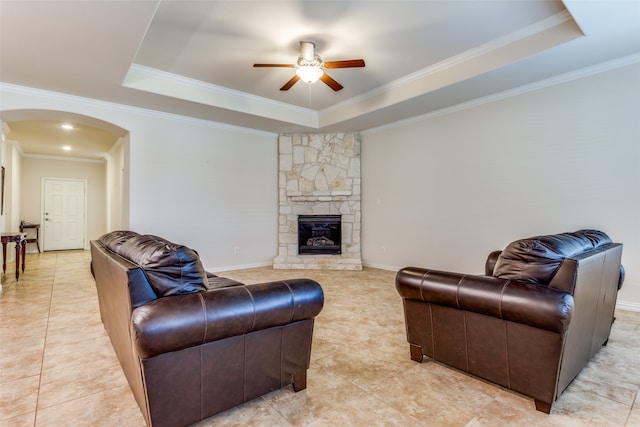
588	409
634	416
67	356
75	318
62	336
59	385
511	409
366	368
363	411
24	420
114	407
325	392
18	397
14	339
22	363
432	392
256	413
24	302
611	376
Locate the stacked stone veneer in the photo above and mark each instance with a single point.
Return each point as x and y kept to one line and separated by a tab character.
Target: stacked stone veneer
319	174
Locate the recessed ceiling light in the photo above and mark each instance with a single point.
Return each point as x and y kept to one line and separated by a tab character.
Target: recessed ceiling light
66	147
66	126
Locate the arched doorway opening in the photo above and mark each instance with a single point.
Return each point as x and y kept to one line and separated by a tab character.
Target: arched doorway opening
35	148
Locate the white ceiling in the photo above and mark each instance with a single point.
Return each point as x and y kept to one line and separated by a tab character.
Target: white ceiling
195	58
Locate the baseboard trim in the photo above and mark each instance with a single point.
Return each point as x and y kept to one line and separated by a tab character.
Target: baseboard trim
238	267
628	306
380	266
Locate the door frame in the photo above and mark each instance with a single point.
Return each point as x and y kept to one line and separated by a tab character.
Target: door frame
42	202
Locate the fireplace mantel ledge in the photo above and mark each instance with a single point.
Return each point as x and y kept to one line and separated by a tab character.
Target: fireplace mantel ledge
321	196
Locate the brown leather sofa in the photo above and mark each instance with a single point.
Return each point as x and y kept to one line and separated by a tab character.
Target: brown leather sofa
543	309
193	344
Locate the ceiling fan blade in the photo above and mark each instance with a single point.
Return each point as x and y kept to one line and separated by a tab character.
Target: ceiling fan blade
329	81
349	63
291	82
275	65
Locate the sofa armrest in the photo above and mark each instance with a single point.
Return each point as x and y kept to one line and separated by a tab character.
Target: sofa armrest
490	264
621	277
177	322
520	302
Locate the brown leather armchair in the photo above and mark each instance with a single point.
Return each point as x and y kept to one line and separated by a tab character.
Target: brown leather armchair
531	324
193	344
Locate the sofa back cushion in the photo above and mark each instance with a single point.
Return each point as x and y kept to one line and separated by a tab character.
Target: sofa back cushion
115	239
536	259
170	268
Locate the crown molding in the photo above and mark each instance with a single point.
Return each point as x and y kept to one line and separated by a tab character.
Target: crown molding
63	159
494	54
122	108
163	83
544	25
543	84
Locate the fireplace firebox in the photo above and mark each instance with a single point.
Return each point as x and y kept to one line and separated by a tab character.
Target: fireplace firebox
319	234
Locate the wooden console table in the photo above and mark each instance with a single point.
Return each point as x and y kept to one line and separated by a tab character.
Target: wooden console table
21	246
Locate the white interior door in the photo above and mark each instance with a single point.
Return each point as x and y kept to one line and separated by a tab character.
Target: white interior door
64	214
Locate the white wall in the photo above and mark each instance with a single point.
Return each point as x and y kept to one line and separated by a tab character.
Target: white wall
212	188
115	183
442	192
34	169
12	191
12	162
209	186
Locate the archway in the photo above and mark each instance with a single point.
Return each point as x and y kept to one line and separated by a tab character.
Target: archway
24	192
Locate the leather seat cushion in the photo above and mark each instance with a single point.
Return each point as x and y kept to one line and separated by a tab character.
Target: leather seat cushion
215	282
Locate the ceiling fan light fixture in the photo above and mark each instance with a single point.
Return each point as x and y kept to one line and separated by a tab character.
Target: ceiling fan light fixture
309	73
310	68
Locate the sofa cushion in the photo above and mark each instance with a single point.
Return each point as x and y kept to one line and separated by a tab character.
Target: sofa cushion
171	269
536	259
115	239
596	237
217	282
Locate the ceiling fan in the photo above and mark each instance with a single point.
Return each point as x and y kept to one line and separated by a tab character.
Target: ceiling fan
310	67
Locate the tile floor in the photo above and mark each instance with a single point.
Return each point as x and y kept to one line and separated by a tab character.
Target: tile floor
57	367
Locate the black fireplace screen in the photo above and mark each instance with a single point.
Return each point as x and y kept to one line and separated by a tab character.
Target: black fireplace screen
319	234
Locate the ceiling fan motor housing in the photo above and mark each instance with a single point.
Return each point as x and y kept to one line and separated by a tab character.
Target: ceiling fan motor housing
309	65
307	51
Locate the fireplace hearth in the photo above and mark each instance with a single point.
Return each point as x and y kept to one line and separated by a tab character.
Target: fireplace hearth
319	234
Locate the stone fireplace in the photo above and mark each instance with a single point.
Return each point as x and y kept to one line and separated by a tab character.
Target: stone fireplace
319	175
